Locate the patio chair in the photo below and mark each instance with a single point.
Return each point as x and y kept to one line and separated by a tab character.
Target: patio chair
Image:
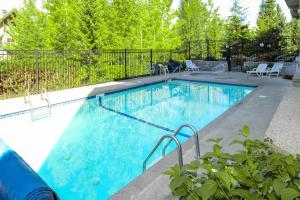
174	66
190	66
275	70
151	69
261	68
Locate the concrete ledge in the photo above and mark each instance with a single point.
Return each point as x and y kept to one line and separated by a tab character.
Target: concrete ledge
285	126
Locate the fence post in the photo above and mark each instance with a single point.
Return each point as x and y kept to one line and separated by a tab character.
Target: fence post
89	65
37	70
207	49
189	46
125	62
151	57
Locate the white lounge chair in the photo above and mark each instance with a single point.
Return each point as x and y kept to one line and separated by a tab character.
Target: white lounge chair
190	66
275	70
261	68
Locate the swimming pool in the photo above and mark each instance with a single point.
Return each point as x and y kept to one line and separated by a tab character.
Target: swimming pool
106	142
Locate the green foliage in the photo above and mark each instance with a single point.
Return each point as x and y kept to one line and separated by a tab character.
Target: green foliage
95	24
63	25
236	27
258	171
199	22
270	21
28	27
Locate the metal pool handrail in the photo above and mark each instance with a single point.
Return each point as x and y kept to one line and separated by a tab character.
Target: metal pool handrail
179	150
195	137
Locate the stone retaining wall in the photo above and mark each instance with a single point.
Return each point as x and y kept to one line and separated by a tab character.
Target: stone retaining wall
208	65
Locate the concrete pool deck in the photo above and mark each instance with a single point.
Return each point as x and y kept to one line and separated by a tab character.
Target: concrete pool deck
256	110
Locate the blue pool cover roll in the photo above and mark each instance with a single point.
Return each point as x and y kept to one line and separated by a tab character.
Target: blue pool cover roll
18	181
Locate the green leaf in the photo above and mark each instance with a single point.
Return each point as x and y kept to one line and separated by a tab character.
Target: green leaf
209	155
169	172
181	191
245	131
217	149
297	183
285	177
278	185
193	196
291	170
239	158
272	196
289	194
237	142
289	159
174	171
215	140
208	189
245	194
174	183
193	165
225	179
242	176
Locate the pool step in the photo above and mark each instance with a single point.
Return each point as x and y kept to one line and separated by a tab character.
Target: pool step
40	113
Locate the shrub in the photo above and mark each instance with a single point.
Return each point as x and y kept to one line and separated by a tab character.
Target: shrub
258	171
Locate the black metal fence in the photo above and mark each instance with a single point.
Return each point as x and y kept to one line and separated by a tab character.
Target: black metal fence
56	70
282	49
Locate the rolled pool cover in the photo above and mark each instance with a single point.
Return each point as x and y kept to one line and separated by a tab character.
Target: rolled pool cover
18	181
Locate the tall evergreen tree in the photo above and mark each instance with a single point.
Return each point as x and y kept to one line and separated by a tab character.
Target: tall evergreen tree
271	26
28	28
269	19
237	28
199	22
93	23
157	29
63	25
123	23
192	20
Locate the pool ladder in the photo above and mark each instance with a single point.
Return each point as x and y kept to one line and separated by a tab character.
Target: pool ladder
38	112
179	148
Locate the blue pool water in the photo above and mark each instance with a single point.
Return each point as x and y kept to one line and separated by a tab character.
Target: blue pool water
104	146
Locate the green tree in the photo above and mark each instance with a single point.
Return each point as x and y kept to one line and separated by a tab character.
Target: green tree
237	28
271	28
198	23
123	23
93	23
63	25
271	21
292	33
157	29
28	28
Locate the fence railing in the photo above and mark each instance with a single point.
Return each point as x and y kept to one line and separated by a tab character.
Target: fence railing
33	70
21	70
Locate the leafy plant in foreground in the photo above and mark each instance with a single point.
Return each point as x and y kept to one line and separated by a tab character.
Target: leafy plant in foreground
258	171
